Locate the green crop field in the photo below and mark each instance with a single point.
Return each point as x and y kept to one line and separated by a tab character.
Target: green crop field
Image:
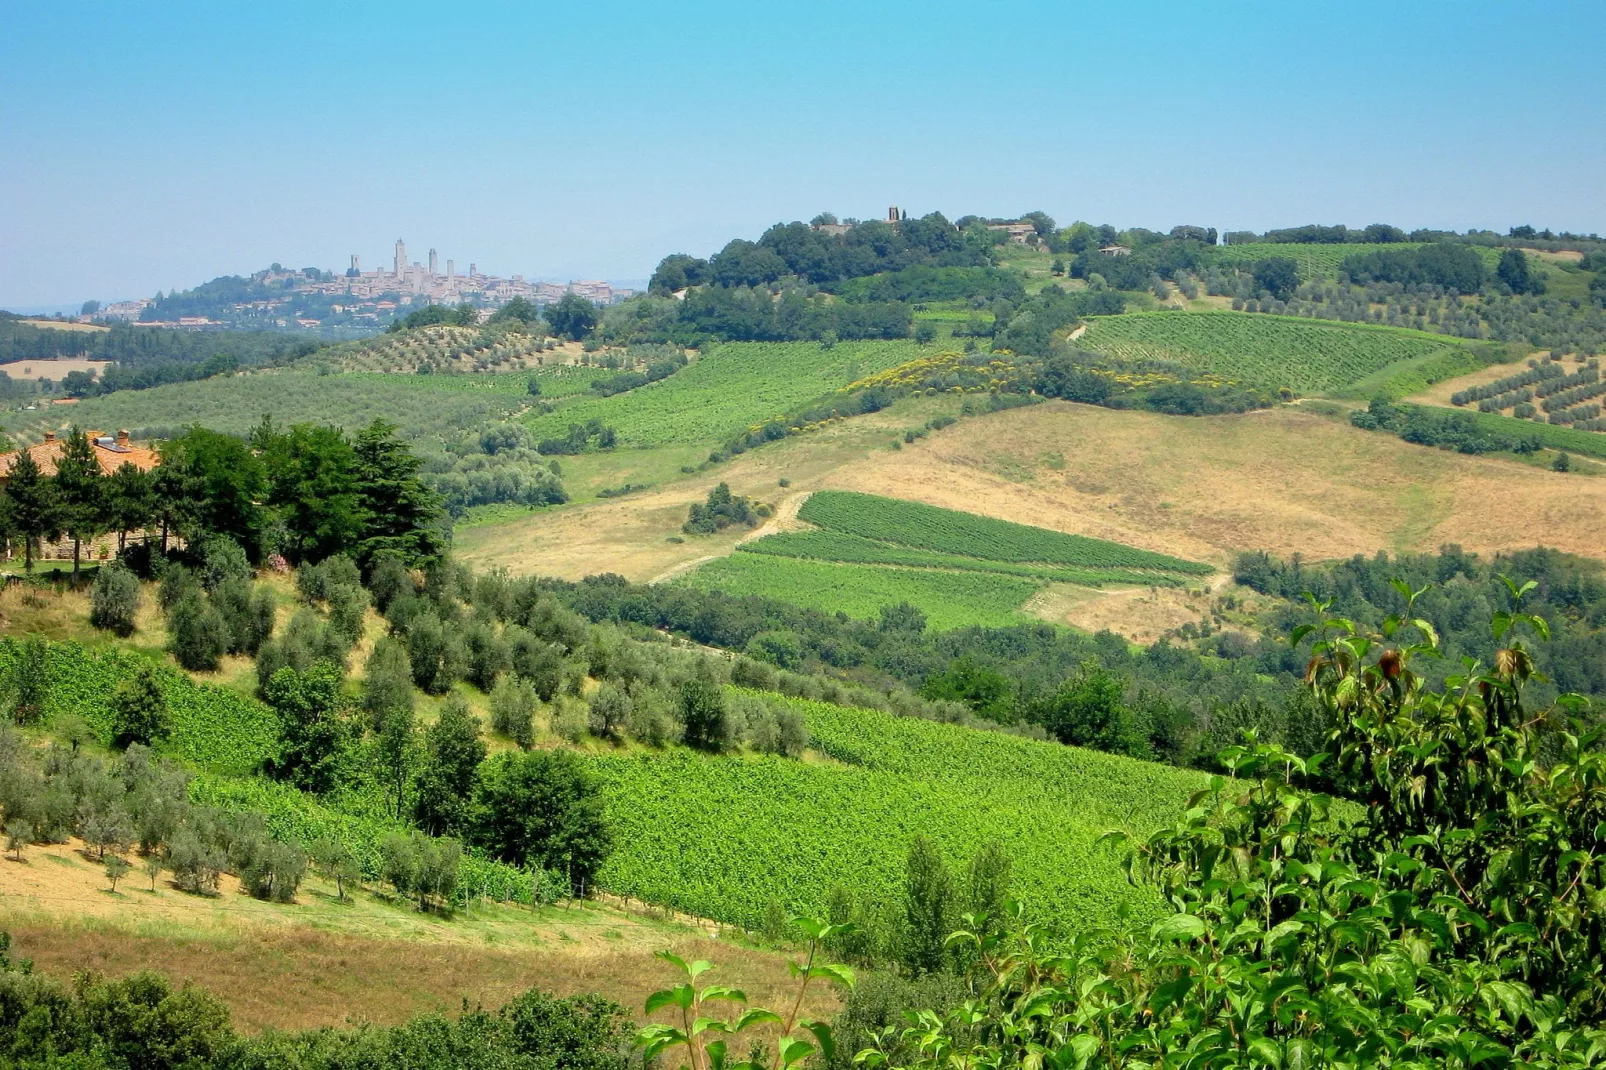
1319	261
724	836
824	545
949	599
731	387
1308	356
927	527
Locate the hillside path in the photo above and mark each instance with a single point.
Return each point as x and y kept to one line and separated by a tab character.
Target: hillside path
783	519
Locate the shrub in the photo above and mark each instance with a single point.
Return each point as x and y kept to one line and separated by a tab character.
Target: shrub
348	604
221	559
248	613
513	709
703	713
114	600
387	681
542	808
198	637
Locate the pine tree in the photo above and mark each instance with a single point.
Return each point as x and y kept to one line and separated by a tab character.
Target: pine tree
402	516
34	511
81	491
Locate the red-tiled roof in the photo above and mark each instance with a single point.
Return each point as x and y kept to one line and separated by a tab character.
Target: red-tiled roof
111	457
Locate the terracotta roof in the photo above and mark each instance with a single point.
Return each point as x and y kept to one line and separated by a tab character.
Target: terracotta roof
112	451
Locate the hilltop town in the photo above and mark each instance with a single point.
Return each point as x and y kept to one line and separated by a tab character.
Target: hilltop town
353	302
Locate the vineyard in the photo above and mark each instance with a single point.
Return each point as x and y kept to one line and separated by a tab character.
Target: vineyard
823	545
949	599
960	569
732	387
1317	261
723	837
1272	352
967	534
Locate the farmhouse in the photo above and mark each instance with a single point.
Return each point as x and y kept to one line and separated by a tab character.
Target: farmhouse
112	451
1019	232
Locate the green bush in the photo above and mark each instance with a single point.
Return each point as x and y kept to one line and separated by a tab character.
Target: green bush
114	600
198	636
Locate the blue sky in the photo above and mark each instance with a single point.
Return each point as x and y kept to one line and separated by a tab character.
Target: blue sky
153	146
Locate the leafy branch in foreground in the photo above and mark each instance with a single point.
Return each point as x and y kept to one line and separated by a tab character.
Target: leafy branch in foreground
696	1027
1452	915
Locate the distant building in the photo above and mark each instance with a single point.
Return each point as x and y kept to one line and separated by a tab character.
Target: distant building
1019	232
432	263
1115	250
401	258
835	230
451	270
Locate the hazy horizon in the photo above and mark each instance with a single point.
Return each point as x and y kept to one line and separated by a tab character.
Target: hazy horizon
162	148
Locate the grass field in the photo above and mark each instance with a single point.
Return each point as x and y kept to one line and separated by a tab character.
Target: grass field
730	388
724	836
321	959
1307	356
949	599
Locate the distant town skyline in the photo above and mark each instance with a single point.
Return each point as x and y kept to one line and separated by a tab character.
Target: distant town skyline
153	148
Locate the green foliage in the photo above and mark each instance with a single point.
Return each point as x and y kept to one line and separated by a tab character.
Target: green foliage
30	505
927	527
453	751
114	599
513	704
387	681
1268	351
1515	274
541	808
1451	921
139	709
704	714
929	910
314	725
774	829
722	510
1322	260
572	317
828	545
197	635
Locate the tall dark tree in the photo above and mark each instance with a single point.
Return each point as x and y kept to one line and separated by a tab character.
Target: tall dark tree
401	515
572	317
34	512
211	483
131	501
1518	275
312	476
80	493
